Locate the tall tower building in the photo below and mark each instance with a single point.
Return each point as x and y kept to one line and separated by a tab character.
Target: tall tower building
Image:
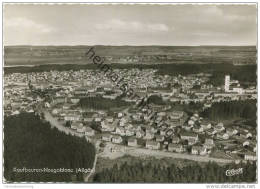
227	83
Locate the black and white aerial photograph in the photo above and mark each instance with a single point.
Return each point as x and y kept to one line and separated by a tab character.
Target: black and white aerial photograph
130	93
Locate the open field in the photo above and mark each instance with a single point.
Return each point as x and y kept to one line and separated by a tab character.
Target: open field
41	55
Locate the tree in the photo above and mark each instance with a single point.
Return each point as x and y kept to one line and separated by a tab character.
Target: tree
31	143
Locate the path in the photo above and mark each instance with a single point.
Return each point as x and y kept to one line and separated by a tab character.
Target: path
94	164
59	126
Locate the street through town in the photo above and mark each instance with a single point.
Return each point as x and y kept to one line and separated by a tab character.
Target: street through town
142	152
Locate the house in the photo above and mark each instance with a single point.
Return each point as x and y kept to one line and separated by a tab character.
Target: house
163	132
72	117
219	127
175	148
152	145
80	92
187	127
30	110
192	141
175	139
55	111
205	125
76	125
193	118
97	119
120	131
191	123
130	132
137	128
58	100
211	132
117	139
110	119
209	143
47	105
136	117
88	118
81	129
174	122
120	114
196	115
250	156
231	131
107	126
188	135
161	114
150	129
245	134
132	142
176	114
207	105
106	137
159	138
139	134
198	150
197	129
246	143
74	100
89	131
149	135
223	136
122	122
129	126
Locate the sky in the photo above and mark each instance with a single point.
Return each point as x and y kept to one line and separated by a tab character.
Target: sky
173	25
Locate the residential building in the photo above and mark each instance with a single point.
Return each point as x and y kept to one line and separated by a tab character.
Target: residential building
132	142
117	139
198	150
175	148
153	145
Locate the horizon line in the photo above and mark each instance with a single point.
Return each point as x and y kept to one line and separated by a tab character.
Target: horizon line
133	45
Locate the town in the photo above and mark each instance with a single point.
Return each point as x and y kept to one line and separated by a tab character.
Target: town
86	103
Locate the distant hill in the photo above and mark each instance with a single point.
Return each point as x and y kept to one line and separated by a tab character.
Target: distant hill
38	55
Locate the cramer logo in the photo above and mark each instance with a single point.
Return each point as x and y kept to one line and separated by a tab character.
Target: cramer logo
232	172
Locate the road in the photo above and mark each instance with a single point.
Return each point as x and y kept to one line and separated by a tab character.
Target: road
94	164
161	154
142	152
59	126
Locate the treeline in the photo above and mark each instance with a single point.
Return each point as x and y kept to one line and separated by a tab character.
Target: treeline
194	173
99	103
31	143
230	110
245	74
154	99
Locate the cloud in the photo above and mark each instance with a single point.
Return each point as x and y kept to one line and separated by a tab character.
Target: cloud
24	23
134	26
209	34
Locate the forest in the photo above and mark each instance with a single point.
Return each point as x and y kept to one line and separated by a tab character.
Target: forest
32	143
193	173
231	110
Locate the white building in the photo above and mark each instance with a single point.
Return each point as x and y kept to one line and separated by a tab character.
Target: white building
227	83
